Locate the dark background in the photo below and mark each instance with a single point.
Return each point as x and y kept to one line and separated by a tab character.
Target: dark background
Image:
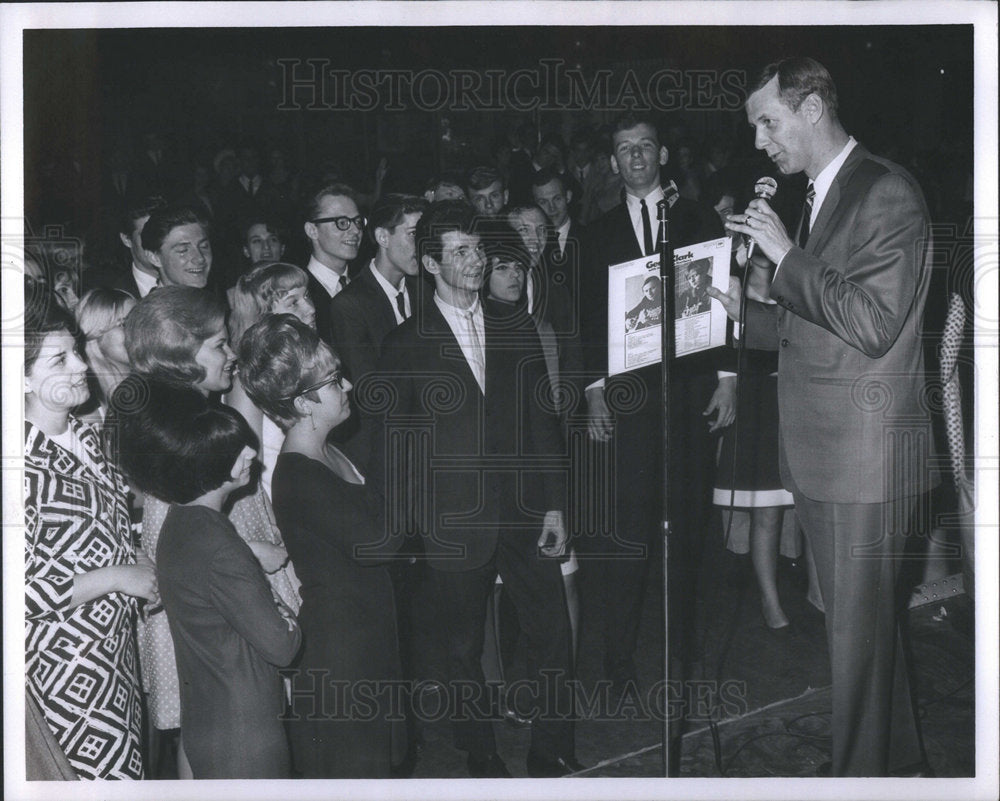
906	92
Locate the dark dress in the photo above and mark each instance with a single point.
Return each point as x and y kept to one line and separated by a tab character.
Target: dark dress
229	638
341	701
758	483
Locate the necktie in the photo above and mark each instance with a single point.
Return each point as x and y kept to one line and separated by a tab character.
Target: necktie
401	305
807	209
478	363
647	229
343	282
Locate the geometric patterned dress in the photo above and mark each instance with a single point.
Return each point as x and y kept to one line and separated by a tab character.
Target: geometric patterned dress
80	663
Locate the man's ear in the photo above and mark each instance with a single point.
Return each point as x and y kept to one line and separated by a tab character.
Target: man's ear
381	237
431	265
301	404
505	193
569	196
311	231
125	240
813	107
154	258
246	251
664	155
614	164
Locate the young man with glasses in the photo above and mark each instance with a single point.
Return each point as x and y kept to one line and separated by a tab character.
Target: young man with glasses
334	227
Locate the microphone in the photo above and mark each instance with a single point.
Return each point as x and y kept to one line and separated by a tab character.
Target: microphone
765	189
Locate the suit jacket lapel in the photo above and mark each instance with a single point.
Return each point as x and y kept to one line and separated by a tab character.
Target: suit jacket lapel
828	210
446	345
383	303
627	244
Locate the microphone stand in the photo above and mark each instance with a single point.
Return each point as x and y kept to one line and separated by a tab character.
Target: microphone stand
671	731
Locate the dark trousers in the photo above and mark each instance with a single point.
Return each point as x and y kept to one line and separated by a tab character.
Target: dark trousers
535	587
857	549
625	475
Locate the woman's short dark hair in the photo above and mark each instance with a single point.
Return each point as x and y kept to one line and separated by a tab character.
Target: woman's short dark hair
278	357
43	315
174	444
165	330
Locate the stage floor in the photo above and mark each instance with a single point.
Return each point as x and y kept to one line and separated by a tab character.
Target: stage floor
769	694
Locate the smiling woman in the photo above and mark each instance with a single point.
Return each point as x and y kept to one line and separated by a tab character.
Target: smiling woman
82	575
175	336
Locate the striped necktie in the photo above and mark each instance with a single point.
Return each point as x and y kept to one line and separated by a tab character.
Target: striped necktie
807	209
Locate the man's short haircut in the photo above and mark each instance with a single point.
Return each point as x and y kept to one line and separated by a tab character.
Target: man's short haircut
312	205
521	208
799	77
278	357
445	179
651	280
630	119
164	220
547	174
175	445
271	225
165	330
439	219
390	210
141	208
483	177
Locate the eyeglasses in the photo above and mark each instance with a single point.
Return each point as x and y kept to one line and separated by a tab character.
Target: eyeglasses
336	377
342	223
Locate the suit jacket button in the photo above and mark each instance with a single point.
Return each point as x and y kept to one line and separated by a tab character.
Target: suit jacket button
784	343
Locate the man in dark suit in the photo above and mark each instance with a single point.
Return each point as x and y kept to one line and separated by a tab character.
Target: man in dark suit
385	293
855	433
547	288
625	412
334	227
139	275
562	252
459	452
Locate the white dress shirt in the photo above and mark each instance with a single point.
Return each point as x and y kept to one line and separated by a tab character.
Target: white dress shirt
392	291
328	278
470	341
562	234
144	282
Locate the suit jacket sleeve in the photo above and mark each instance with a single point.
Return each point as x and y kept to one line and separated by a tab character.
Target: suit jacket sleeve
867	299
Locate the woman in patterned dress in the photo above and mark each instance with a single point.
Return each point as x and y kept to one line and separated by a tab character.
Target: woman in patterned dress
82	576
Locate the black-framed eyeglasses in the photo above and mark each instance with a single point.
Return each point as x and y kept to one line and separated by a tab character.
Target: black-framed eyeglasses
343	223
336	377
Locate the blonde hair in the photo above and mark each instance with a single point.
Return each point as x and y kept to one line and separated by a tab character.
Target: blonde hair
98	312
258	290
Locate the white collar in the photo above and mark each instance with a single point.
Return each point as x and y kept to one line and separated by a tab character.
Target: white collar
328	277
825	179
144	282
390	290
